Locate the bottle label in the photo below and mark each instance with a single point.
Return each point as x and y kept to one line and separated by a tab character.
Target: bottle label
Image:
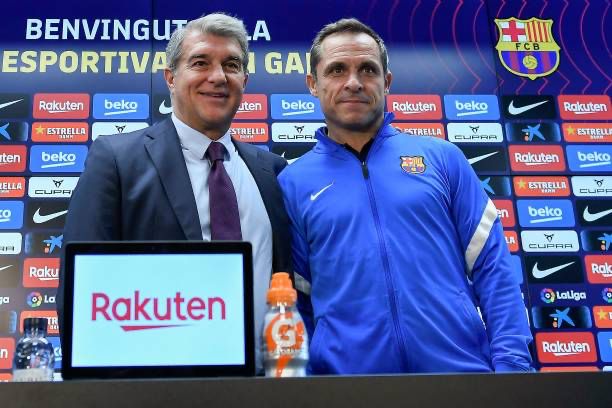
33	375
284	338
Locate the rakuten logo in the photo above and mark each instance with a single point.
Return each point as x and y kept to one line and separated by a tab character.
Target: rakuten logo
585	107
12	158
536	158
143	313
253	106
7	347
566	347
415	107
61	106
505	212
599	268
41	272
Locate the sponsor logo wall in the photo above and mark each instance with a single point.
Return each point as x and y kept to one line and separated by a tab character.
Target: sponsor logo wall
536	132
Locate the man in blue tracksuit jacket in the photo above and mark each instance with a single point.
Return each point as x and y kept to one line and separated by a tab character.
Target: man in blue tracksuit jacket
395	243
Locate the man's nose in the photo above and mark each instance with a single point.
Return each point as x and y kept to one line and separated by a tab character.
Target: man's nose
353	83
216	74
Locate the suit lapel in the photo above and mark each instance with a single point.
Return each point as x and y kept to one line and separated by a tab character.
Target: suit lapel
166	154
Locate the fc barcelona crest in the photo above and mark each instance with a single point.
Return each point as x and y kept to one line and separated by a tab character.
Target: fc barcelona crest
527	47
413	164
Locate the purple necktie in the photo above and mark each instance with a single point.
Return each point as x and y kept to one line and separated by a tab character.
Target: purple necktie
224	215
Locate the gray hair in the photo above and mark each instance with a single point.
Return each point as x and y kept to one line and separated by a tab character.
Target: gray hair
346	25
218	24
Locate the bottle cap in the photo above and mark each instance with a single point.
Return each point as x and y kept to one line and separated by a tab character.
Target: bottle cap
281	290
30	323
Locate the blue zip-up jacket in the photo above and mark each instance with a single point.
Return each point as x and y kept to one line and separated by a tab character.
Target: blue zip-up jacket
393	256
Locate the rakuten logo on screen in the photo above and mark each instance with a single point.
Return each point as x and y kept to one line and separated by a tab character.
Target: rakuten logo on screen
132	300
144	312
576	347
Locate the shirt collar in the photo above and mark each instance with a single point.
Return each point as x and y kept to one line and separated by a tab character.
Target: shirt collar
197	142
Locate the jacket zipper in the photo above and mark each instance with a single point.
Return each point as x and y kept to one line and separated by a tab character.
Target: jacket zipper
388	278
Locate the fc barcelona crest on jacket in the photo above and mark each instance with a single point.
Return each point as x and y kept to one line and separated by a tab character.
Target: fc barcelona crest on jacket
527	47
413	164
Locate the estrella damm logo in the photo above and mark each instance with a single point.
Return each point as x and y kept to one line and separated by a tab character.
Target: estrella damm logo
413	164
527	47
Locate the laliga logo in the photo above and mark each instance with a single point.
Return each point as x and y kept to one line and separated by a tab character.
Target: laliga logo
547	295
34	299
148	312
606	294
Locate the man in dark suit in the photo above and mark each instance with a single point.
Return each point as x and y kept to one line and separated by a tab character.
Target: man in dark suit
185	178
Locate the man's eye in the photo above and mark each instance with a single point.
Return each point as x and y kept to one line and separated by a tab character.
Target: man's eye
233	66
199	63
337	70
369	70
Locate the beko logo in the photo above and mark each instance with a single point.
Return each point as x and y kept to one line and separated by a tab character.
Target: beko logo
536	158
11	214
464	107
550	241
415	107
475	133
61	106
538	213
289	106
589	186
64	159
123	106
292	132
585	107
590	158
145	313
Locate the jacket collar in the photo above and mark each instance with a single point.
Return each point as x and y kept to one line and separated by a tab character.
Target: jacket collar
326	145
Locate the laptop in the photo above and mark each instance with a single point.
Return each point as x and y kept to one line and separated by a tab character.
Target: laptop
158	309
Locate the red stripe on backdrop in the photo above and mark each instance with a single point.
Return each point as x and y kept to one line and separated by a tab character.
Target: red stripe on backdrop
528	31
514	63
546	62
546	37
541	29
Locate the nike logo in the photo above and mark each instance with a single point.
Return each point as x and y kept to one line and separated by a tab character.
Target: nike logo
289	161
590	217
314	196
479	158
4	105
39	219
542	273
163	109
5	267
513	110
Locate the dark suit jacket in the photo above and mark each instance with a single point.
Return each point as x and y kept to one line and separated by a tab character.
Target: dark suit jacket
135	186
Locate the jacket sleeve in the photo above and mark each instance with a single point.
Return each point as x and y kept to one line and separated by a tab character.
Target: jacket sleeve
94	211
299	252
488	267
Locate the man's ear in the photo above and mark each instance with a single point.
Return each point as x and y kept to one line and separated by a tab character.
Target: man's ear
311	82
246	79
169	77
388	79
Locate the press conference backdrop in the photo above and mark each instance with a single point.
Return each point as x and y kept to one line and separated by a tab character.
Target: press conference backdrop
522	87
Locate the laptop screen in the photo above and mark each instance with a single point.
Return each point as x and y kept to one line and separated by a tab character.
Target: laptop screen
159	306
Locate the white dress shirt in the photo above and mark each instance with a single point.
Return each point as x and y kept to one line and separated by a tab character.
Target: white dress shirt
254	220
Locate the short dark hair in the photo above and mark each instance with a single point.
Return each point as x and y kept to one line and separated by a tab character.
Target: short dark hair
346	25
